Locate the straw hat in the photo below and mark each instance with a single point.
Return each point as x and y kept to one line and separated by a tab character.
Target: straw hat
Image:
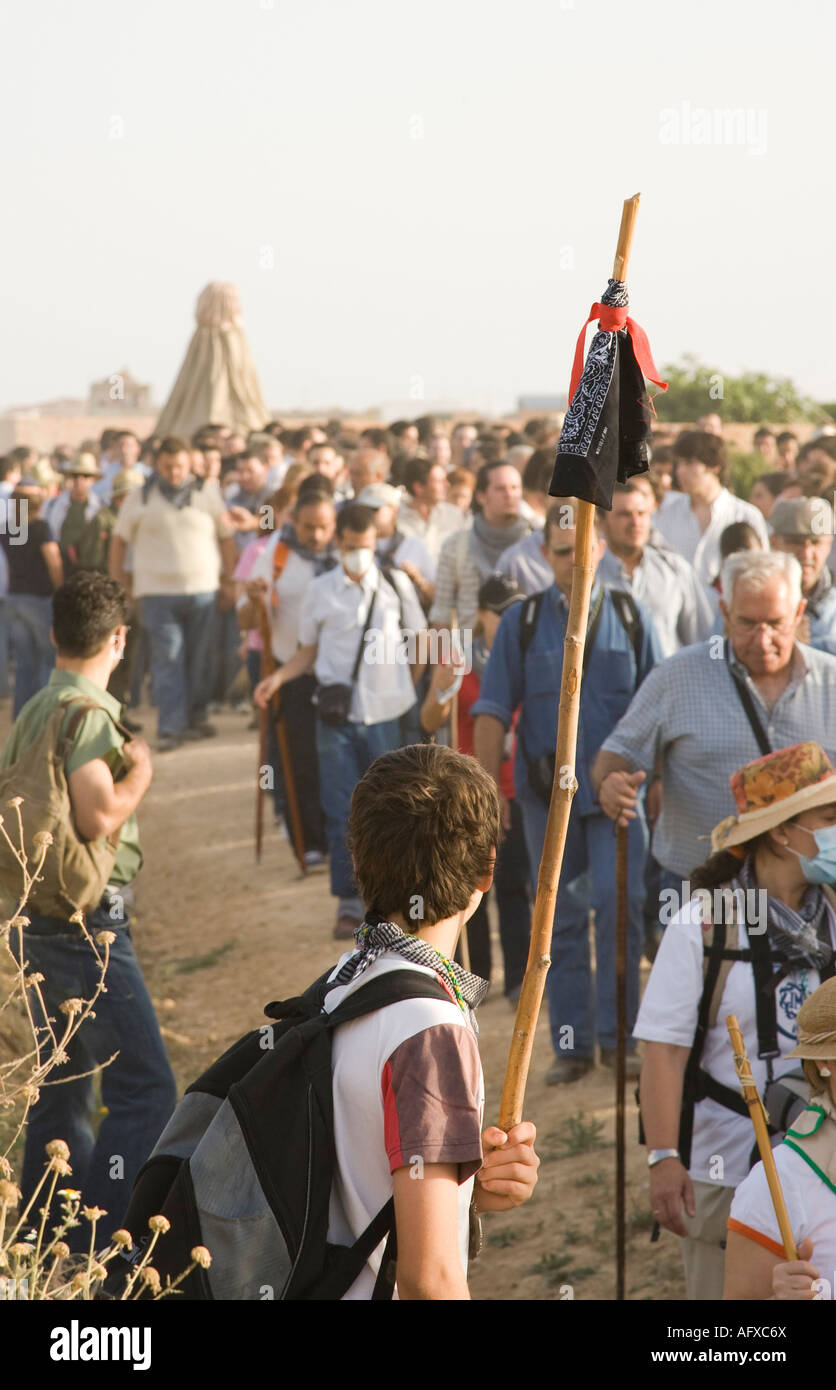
128	480
817	1024
771	790
84	465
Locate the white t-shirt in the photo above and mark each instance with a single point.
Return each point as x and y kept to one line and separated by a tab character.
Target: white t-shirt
811	1207
288	590
408	1090
668	1014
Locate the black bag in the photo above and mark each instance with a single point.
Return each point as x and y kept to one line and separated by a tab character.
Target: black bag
333	702
246	1163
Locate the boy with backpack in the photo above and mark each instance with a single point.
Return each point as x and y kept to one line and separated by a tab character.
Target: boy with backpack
339	1154
78	777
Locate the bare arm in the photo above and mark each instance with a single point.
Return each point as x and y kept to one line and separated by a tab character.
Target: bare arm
426	1218
749	1268
488	747
660	1090
116	562
604	764
52	559
229	558
100	805
298	665
434	714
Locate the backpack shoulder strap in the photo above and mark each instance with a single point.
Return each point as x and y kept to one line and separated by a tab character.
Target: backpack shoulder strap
627	613
528	620
281	555
391	988
386	571
720	974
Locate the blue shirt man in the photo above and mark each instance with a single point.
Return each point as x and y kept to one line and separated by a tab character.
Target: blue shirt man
524	672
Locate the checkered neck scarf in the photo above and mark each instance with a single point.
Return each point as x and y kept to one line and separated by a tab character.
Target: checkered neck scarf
802	937
375	936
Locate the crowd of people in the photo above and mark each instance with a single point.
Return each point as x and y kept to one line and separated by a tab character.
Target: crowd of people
386	588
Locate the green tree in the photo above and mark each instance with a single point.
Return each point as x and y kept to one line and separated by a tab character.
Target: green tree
695	389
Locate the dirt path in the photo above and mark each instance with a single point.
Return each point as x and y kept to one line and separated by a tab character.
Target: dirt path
219	938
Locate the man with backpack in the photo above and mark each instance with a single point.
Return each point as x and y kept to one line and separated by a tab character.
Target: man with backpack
102	778
524	671
339	1153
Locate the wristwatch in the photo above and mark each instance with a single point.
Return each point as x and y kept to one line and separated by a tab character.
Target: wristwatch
656	1155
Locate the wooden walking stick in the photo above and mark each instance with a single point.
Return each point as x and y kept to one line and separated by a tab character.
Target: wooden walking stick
622	913
759	1120
564	784
464	944
273	711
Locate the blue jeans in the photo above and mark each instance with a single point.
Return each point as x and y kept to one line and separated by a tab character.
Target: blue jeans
345	752
179	628
30	619
587	880
5	683
138	1088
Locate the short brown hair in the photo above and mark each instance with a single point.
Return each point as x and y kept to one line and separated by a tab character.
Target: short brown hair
423	826
172	444
706	448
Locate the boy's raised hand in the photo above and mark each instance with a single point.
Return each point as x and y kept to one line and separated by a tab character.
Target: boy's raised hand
508	1174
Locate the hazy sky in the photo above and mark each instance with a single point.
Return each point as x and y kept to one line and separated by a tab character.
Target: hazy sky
413	197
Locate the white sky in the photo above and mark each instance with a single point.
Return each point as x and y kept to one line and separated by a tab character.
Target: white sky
460	262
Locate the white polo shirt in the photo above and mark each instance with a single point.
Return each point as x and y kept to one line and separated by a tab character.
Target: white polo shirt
333	614
680	528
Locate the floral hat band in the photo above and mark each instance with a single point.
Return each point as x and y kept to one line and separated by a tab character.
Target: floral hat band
774	789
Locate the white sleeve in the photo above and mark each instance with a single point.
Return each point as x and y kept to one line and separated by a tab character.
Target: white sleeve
310	617
752	1204
671	1000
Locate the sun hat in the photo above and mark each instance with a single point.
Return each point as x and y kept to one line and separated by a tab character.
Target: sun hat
817	1024
773	789
84	465
802	517
128	480
44	473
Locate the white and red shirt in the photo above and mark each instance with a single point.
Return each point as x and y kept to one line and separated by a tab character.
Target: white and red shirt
408	1090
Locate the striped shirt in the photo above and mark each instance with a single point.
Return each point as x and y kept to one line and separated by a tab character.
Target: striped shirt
687	715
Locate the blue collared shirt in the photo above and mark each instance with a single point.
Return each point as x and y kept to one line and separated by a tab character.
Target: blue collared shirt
609	682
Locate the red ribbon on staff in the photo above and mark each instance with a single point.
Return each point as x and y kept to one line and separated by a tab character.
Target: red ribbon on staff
611	318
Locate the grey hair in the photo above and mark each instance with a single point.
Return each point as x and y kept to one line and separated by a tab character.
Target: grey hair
756	568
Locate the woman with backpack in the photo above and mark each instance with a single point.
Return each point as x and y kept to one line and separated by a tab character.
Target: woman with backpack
756	1265
755	935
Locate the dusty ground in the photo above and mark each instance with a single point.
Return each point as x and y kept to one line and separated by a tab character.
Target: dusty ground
219	937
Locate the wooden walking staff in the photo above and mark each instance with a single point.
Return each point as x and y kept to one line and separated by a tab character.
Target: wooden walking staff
564	784
621	919
759	1120
273	711
464	943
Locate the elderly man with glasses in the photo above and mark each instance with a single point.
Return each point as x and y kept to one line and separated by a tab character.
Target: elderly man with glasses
714	705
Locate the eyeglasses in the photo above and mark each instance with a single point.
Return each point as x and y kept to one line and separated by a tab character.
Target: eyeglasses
749	626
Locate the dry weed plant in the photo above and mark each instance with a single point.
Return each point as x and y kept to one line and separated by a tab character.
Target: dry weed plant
35	1259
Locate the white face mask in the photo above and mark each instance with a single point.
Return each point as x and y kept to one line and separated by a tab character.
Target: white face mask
358	561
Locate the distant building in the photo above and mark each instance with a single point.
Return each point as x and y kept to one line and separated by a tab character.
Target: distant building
119	393
542	404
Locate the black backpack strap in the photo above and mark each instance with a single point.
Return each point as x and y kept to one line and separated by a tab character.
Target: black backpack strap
386	571
690	1087
391	988
766	1013
748	704
627	612
528	621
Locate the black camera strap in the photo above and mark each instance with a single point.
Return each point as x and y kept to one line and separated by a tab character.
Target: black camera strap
748	704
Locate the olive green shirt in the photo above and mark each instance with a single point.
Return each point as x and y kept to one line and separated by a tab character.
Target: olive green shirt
96	737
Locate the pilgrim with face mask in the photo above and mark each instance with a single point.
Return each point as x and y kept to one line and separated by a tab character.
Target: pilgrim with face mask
350	633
